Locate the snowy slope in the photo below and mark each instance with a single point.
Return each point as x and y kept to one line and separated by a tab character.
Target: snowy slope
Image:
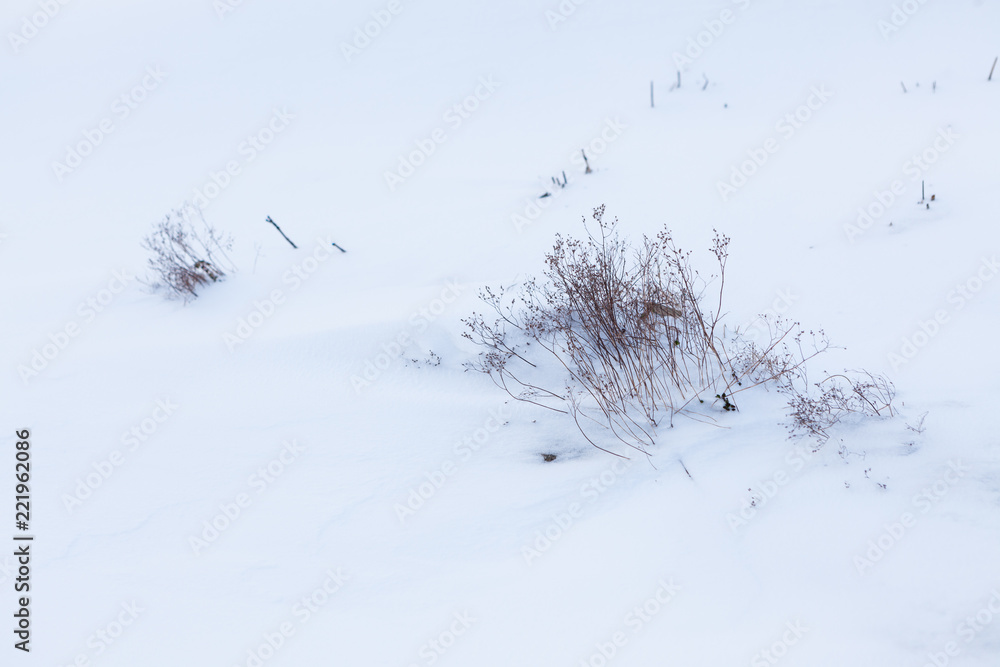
407	518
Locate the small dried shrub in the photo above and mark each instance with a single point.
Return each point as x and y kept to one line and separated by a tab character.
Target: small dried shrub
186	254
814	409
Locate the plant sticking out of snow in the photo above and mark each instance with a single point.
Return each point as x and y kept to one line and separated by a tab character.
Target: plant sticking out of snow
813	410
619	337
186	254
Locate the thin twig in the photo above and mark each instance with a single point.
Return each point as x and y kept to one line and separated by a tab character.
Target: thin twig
281	232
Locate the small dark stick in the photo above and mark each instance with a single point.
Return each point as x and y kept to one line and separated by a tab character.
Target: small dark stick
651	105
706	82
564	179
921	190
903	85
990	77
281	232
678	78
338	247
586	161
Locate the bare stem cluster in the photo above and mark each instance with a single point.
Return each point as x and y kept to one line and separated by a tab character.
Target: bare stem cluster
186	254
627	329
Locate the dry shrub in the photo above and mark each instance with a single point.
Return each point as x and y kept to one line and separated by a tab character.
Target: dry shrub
619	336
812	412
187	254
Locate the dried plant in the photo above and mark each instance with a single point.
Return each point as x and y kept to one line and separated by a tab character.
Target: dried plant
919	428
627	331
187	254
814	409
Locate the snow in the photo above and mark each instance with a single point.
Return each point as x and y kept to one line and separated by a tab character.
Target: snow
508	559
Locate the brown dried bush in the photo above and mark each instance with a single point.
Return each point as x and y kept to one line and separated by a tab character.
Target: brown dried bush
619	337
187	254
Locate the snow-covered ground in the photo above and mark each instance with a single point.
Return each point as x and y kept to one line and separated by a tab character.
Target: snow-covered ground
308	492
